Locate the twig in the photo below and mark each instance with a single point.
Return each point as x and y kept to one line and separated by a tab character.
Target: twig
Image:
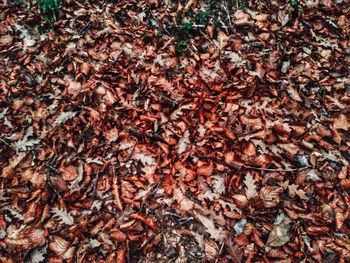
52	168
84	28
228	15
131	152
209	39
53	188
6	143
275	169
220	251
115	191
167	43
14	48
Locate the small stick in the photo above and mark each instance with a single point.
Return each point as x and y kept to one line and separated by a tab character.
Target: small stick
275	169
220	251
5	142
115	190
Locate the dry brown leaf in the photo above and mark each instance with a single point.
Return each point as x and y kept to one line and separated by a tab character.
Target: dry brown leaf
222	38
293	93
185	204
6	40
270	195
341	123
205	169
251	187
8	172
242	19
216	233
58	245
68	173
293	190
74	88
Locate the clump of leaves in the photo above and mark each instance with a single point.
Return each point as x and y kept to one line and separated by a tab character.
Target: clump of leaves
50	9
215	12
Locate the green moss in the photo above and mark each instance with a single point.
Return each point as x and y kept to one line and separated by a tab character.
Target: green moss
49	9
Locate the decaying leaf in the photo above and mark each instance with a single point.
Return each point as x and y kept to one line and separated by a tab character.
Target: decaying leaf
63	216
293	93
251	187
68	173
174	131
74	88
183	143
216	233
144	159
15	214
38	255
27	142
293	191
279	234
64	116
219	184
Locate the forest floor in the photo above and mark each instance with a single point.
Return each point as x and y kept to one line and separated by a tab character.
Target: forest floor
175	131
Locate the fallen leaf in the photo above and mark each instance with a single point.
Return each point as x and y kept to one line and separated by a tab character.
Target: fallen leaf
63	216
341	123
279	234
222	38
216	233
251	190
74	88
68	173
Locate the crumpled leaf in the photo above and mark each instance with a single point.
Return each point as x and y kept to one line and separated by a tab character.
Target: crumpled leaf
58	245
222	38
74	185
94	243
74	88
293	93
293	190
28	40
6	40
68	173
15	214
242	19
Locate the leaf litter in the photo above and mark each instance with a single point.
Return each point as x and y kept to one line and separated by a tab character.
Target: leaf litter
183	131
